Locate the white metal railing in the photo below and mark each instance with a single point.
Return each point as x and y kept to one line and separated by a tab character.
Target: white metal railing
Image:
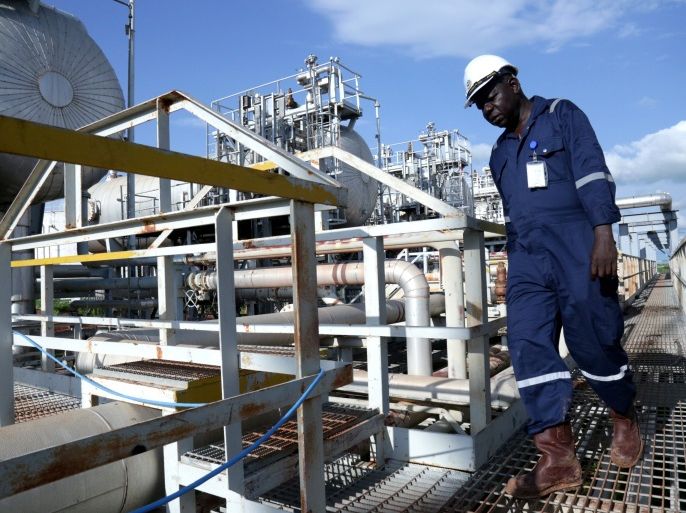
677	266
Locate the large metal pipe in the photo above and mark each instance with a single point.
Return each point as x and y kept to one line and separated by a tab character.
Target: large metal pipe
340	314
90	284
116	487
405	274
428	388
660	199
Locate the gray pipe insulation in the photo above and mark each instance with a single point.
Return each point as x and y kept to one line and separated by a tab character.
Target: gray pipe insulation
435	389
405	274
116	487
660	199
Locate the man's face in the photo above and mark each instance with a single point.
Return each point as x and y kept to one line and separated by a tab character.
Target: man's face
498	102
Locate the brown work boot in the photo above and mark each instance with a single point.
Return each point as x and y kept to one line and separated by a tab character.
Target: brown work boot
627	446
558	468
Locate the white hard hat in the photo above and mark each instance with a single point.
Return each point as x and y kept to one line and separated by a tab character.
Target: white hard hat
480	71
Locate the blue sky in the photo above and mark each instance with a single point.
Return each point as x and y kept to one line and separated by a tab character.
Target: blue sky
622	61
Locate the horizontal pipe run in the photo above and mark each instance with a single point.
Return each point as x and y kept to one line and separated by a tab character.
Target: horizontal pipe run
361	330
439	390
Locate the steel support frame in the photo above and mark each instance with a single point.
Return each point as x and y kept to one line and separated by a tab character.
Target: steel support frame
6	372
477	313
27	471
374	257
310	433
47	327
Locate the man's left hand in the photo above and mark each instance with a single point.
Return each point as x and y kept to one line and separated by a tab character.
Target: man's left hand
604	255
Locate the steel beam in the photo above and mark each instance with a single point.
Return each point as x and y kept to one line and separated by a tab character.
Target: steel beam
310	433
477	313
47	328
226	304
163	143
6	338
69	146
52	463
344	330
377	347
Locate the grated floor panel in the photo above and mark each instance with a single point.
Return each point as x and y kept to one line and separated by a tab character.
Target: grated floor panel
655	338
335	419
33	403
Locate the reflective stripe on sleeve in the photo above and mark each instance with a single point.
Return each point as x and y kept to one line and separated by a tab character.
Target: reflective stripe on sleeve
613	377
553	376
507	219
593	177
551	109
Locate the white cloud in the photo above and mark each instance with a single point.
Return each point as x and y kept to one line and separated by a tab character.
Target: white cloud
432	28
647	101
656	157
481	153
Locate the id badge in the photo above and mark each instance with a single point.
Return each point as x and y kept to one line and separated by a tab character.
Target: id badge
536	174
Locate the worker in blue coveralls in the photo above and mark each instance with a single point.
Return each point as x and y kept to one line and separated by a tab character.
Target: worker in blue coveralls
559	203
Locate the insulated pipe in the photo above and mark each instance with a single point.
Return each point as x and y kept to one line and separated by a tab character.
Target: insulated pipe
660	199
405	274
114	303
76	271
89	284
116	487
428	388
341	314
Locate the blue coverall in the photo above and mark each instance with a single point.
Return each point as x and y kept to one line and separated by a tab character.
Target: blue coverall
550	240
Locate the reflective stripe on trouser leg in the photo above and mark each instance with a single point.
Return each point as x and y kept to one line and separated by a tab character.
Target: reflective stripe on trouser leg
533	328
593	332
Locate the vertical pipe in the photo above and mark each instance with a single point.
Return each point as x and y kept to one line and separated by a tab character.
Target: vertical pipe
477	313
228	344
47	328
73	197
452	284
377	348
166	293
624	238
310	439
6	339
130	177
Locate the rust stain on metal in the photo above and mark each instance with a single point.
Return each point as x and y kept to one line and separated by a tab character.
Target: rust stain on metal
67	461
159	352
252	409
343	377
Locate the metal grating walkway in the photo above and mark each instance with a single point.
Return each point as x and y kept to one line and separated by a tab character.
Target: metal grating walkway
33	403
655	339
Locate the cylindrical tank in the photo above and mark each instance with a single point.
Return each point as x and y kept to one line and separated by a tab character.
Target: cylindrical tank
107	201
116	487
51	72
362	190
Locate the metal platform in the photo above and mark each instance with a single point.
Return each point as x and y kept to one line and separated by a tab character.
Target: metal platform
32	403
656	341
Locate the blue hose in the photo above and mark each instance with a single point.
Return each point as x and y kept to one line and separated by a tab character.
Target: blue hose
237	457
162	404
